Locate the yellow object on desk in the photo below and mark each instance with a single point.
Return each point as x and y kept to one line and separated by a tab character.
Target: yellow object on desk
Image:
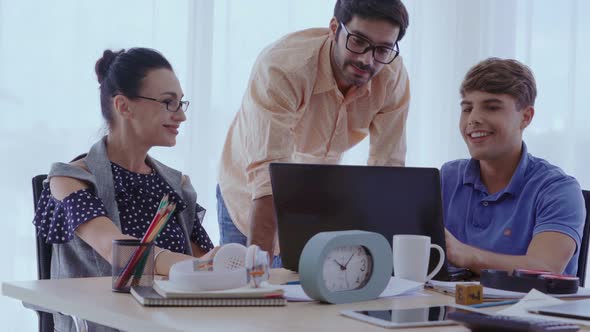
468	294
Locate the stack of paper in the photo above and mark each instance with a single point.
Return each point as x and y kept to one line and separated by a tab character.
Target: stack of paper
535	299
493	293
166	289
395	287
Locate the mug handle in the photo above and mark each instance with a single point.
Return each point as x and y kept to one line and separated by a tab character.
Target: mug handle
440	261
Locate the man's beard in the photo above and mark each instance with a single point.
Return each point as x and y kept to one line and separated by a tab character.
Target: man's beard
359	81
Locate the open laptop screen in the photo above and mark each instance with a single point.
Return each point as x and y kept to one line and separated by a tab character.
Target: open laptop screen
310	199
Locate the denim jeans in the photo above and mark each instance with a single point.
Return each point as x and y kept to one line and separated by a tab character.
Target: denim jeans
229	233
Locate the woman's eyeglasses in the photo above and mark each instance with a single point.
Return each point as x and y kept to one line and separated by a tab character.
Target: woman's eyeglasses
172	105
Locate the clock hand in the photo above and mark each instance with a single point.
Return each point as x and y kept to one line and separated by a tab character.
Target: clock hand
342	267
348	261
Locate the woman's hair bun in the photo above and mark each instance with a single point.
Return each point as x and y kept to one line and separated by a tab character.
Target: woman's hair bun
104	63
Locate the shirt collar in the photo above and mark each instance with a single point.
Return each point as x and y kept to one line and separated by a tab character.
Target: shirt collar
472	175
517	181
325	81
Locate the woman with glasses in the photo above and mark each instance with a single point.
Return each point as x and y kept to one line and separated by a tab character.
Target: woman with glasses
114	190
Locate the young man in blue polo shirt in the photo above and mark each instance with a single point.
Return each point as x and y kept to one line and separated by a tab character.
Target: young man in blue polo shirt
504	208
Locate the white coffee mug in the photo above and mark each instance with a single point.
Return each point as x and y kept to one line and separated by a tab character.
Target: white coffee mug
411	255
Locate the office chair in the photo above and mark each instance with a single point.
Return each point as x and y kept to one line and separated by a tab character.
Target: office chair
583	257
44	251
43	258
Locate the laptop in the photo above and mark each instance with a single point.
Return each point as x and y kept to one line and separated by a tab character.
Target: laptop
310	199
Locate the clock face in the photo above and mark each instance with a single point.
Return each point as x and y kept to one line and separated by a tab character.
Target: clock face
347	268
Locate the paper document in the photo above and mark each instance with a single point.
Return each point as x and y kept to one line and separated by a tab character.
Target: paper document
166	288
493	293
395	287
536	299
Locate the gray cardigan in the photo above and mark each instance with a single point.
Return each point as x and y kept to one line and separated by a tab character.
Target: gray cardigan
76	259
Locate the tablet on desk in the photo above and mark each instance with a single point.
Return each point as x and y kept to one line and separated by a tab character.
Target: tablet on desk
572	309
412	317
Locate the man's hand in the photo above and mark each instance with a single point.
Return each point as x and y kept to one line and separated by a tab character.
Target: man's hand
263	225
550	251
457	252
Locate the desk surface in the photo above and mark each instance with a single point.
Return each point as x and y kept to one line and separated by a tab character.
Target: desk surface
92	299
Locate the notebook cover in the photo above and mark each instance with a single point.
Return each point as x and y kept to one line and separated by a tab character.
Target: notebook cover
147	296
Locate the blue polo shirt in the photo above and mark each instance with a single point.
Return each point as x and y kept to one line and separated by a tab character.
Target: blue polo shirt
540	197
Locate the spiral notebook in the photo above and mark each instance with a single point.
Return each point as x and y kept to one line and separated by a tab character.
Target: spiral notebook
147	296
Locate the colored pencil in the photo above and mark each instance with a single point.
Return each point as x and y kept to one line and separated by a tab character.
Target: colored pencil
161	208
158	229
156	226
493	304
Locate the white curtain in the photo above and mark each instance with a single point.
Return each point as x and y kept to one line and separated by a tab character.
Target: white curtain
49	104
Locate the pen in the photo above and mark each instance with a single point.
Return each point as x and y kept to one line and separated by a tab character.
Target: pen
296	282
493	304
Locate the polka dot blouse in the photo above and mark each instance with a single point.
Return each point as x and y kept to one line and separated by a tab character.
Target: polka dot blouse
137	196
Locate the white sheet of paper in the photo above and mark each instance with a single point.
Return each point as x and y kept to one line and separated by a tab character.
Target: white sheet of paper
491	293
398	286
537	299
295	293
395	287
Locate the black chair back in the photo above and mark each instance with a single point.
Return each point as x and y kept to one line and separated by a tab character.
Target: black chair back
43	256
583	257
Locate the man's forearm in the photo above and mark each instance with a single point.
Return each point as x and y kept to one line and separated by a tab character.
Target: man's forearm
550	251
482	259
263	225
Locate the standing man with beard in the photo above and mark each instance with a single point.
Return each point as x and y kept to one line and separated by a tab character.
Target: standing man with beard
313	95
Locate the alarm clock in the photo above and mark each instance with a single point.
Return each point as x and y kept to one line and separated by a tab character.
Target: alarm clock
345	266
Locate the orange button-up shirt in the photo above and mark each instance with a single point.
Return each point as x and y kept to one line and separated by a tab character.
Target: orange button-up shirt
293	111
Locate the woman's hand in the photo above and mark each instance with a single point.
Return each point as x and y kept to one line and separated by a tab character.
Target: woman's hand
210	254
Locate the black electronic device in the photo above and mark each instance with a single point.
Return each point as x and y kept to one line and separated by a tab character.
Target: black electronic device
482	323
408	317
459	273
522	280
310	199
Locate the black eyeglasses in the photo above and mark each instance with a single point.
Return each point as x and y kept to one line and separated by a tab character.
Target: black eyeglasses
360	45
172	105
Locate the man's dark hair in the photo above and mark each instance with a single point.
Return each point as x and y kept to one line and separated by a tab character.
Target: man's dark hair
392	11
502	76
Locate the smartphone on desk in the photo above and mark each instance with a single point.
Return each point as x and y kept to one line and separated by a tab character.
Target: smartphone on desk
412	317
459	273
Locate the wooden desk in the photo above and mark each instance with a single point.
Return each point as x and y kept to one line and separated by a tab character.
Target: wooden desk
92	299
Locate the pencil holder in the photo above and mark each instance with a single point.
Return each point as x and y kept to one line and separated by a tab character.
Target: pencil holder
133	264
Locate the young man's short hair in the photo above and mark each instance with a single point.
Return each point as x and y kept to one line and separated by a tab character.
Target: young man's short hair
392	11
502	76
